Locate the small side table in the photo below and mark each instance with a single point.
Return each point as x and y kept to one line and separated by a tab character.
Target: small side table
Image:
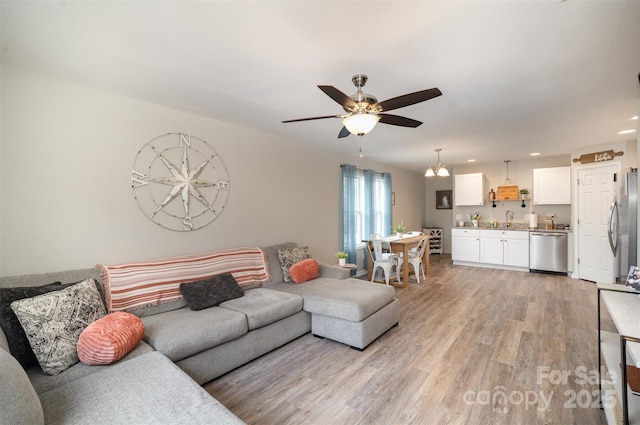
350	266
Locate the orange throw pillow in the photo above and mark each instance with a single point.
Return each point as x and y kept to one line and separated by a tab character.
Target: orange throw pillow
304	270
110	338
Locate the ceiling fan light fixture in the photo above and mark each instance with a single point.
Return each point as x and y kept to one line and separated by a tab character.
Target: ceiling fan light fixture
440	170
360	123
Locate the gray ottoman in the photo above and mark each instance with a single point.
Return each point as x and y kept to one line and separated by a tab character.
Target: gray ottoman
351	311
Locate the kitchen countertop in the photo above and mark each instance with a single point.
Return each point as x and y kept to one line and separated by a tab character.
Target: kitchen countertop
516	227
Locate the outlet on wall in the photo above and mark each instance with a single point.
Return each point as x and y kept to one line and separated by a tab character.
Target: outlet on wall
526	216
458	216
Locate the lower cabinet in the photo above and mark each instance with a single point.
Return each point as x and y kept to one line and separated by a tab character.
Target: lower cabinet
505	247
490	248
465	245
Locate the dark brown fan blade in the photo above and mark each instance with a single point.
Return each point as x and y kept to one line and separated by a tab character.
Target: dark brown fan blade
398	120
313	118
407	99
335	94
343	133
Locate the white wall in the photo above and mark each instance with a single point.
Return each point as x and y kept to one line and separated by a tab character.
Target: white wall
66	153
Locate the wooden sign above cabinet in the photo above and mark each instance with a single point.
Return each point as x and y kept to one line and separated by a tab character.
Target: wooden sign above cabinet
588	158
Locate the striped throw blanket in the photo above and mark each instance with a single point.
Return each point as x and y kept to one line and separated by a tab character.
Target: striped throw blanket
136	285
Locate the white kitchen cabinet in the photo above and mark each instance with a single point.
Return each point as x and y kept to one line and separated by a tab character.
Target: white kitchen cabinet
465	245
552	186
504	247
469	189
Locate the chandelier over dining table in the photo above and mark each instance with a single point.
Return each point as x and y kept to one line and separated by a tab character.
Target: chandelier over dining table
440	169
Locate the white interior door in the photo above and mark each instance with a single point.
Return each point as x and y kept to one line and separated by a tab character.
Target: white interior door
596	190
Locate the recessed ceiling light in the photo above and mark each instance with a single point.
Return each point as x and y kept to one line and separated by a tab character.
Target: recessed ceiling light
626	131
534	153
635	118
471	160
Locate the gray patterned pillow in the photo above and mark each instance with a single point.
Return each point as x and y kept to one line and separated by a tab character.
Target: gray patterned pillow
291	256
54	321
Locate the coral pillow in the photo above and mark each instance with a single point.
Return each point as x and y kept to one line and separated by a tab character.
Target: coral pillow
110	338
304	270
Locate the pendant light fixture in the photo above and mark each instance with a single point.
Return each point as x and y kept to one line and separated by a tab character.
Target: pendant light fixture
440	170
507	181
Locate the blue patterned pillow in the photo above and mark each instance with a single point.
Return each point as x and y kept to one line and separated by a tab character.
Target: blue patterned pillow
54	321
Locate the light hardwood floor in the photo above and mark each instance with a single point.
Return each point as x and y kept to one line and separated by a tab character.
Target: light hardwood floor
474	346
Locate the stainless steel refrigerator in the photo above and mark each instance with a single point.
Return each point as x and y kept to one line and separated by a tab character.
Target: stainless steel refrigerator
623	223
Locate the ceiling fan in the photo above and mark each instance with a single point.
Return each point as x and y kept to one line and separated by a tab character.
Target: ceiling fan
364	111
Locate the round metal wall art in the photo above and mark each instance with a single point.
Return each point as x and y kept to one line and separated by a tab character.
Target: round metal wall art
179	182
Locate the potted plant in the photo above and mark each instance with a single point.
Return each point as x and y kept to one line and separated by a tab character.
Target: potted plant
524	193
342	257
474	219
399	228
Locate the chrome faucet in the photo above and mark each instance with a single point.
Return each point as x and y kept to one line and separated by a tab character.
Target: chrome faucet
509	217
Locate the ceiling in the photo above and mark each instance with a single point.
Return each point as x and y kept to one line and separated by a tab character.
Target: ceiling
517	76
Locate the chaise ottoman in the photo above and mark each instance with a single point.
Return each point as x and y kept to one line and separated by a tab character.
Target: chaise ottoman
351	311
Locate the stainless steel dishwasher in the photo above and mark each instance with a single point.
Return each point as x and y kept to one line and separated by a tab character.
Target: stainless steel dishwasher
548	251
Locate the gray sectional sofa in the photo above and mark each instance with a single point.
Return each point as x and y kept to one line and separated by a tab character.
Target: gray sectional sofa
159	381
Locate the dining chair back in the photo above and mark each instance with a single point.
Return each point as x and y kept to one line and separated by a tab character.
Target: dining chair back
415	259
381	260
385	245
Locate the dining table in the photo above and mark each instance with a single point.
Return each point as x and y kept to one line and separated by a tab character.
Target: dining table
401	245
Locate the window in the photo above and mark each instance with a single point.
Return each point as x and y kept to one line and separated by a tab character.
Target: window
378	208
365	206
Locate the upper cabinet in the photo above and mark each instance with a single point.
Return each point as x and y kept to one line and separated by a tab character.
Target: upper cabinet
552	186
469	189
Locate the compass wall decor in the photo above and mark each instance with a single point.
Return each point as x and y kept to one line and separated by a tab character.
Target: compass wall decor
179	182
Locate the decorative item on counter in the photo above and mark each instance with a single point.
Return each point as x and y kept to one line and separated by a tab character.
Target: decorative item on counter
399	228
461	223
548	221
474	219
342	257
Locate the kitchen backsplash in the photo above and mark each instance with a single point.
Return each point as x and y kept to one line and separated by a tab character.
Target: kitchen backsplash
561	213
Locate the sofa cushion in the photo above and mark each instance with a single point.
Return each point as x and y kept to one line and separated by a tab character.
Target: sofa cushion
349	299
43	383
210	292
19	402
149	389
275	268
16	338
304	271
291	256
110	338
54	321
183	333
264	306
